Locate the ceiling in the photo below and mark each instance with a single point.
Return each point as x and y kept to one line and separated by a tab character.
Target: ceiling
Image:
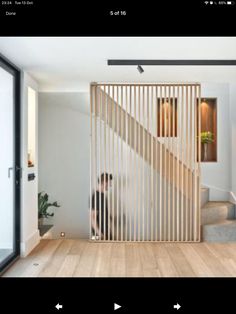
71	63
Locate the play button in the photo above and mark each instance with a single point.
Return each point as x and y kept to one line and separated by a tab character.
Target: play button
116	306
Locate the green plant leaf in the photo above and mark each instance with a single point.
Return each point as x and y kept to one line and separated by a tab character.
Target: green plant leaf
207	137
44	205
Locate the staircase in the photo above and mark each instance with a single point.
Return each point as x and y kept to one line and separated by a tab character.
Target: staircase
218	219
154	151
158	124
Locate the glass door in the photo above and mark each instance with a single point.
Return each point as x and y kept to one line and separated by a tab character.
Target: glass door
9	163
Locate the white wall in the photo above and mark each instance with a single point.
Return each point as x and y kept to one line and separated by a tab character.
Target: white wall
64	157
217	175
6	160
29	200
233	141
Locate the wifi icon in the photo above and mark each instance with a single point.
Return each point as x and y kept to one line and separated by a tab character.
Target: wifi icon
206	2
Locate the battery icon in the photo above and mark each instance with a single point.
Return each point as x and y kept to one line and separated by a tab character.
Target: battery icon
230	2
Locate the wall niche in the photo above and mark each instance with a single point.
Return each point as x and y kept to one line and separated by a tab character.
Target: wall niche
31	126
208	129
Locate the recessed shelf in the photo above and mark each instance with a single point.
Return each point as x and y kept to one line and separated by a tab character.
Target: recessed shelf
31	126
209	124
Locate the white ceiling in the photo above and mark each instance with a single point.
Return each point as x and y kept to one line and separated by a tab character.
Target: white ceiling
71	63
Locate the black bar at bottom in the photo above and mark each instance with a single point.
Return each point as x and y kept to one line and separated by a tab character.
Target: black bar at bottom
133	295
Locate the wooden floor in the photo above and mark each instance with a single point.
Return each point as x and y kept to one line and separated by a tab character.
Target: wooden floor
80	258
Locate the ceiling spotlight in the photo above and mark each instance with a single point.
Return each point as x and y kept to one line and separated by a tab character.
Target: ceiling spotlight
140	69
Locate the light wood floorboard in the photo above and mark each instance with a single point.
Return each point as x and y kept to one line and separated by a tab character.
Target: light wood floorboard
81	258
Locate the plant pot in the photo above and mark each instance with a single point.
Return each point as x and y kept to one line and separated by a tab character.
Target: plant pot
205	149
40	222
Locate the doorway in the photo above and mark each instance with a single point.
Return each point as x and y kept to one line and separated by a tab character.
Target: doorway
10	170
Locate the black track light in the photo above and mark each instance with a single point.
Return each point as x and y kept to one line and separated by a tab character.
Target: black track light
140	69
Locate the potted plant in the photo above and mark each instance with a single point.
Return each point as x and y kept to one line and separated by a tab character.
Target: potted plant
43	206
206	138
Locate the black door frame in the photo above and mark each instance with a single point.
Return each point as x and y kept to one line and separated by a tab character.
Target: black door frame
15	71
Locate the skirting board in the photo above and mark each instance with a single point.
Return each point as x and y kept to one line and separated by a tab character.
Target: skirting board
28	245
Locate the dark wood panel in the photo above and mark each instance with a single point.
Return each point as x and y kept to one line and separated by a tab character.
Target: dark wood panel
167	109
209	123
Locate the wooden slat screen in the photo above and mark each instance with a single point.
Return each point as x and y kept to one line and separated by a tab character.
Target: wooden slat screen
147	137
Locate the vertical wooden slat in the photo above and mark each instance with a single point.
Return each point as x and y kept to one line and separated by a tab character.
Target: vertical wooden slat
195	160
139	163
173	148
152	166
190	166
199	162
178	164
100	160
187	165
127	155
135	166
105	159
161	208
168	156
182	163
95	158
156	160
113	161
117	164
130	163
109	165
165	167
121	168
143	176
147	168
91	159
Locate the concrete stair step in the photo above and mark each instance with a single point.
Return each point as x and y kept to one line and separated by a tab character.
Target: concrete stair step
204	196
213	212
221	231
